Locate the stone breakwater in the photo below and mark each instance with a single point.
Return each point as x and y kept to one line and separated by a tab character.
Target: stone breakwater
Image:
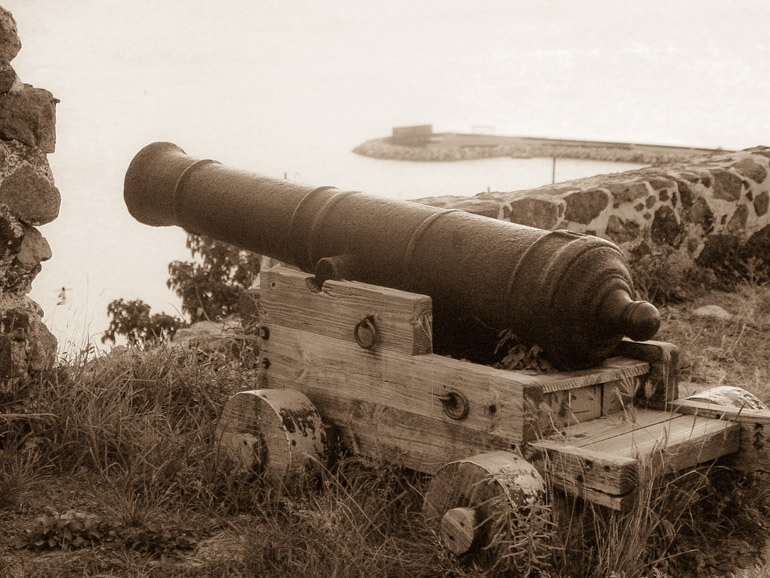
463	147
710	210
28	198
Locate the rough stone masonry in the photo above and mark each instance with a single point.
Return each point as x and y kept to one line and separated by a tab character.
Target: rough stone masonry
711	210
28	198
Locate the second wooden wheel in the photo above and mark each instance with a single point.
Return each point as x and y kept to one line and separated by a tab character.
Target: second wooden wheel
487	503
273	432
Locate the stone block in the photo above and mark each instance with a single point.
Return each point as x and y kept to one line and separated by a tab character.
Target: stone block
666	228
627	192
535	212
761	204
34	249
29	116
727	186
9	82
701	214
751	170
10	43
737	223
11	232
26	344
622	231
584	206
480	207
30	195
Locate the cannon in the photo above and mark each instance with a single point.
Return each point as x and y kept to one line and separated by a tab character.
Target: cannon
364	342
569	293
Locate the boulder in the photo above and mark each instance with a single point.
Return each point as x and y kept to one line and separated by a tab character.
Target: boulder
10	43
34	249
30	195
29	116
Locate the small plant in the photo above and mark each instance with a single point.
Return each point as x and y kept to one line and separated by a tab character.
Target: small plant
517	355
69	530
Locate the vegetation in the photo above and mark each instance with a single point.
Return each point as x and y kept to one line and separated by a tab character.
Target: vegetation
210	287
211	284
132	320
109	465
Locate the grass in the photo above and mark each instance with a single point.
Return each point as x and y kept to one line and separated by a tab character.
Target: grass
108	466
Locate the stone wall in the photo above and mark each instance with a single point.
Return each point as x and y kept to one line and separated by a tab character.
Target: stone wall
711	210
28	198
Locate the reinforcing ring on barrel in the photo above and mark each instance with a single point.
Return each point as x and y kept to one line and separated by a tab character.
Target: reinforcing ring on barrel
371	332
455	405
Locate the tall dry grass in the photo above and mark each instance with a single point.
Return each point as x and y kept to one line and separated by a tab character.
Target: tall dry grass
124	445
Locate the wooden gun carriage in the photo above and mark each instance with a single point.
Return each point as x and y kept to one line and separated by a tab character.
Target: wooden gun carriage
357	349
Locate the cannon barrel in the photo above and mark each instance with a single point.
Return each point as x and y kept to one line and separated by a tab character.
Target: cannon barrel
569	293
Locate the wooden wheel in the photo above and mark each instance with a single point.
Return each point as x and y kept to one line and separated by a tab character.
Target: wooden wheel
273	432
486	503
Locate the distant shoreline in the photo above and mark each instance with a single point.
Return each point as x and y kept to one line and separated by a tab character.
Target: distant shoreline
443	147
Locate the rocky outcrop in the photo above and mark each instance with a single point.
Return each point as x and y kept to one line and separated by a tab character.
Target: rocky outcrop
712	210
28	198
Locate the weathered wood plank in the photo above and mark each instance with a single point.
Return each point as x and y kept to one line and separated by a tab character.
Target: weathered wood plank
619	395
754	455
754	452
614	368
572	468
604	460
661	387
391	400
675	444
609	426
614	424
403	320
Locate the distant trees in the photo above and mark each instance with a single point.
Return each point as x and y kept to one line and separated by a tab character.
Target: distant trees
209	286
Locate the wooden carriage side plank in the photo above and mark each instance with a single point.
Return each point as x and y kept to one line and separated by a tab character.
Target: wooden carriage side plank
403	320
663	359
337	369
401	437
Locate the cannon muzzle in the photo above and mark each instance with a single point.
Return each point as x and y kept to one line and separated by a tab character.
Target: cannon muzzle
567	292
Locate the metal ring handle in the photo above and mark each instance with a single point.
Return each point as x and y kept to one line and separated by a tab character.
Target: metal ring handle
368	323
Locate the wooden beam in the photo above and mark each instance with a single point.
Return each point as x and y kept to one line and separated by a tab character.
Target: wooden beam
389	401
662	386
754	452
605	459
404	321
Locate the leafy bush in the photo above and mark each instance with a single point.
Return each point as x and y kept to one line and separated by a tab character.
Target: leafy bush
211	284
132	320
